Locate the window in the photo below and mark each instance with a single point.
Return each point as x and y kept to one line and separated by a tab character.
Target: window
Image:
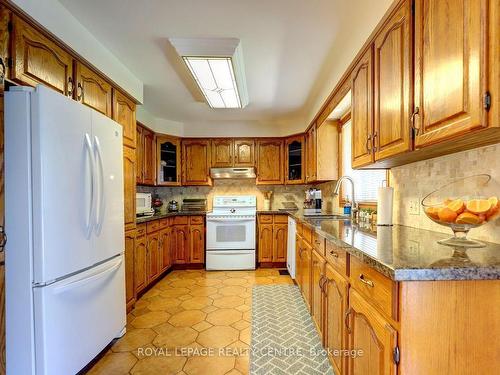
366	182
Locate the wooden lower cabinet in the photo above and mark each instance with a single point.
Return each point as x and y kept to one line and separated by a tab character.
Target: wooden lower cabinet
273	239
197	244
280	233
370	332
306	255
165	248
153	256
140	266
265	243
317	277
181	244
335	305
130	294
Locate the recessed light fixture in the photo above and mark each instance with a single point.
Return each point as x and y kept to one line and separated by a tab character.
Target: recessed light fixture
216	65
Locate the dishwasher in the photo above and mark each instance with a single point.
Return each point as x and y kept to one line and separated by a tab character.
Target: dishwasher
290	259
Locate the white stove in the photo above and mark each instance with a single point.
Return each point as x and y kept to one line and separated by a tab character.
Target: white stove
231	233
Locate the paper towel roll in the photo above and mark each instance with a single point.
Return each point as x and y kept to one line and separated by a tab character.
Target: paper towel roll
384	205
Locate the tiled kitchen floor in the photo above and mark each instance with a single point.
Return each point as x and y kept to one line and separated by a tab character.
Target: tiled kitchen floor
189	309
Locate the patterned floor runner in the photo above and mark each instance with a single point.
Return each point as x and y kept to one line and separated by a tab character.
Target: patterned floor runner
284	338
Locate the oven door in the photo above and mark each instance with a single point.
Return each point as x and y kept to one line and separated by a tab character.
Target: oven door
232	233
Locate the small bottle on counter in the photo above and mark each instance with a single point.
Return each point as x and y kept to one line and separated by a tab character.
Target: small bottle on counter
347	206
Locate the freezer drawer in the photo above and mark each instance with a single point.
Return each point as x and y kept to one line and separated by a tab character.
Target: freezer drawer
78	317
230	260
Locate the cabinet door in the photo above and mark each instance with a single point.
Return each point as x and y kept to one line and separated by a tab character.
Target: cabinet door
129	269
37	59
311	154
93	90
153	255
222	153
306	275
149	151
168	161
196	162
197	243
129	186
448	68
270	162
295	160
181	244
361	111
165	248
265	242
335	306
5	37
393	87
140	264
298	260
139	154
124	114
317	274
372	333
280	233
244	153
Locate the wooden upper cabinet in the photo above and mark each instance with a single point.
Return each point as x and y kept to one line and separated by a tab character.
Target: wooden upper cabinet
393	85
311	149
124	114
372	333
449	64
5	17
37	59
149	151
295	160
244	153
196	162
327	151
129	182
93	90
222	153
270	162
168	160
362	111
139	154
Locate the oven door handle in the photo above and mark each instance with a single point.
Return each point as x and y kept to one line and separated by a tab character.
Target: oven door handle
229	220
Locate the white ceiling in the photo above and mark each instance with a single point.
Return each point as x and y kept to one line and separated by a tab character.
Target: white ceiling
285	46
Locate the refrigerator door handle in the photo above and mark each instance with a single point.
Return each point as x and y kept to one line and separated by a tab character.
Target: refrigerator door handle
91	209
99	213
84	280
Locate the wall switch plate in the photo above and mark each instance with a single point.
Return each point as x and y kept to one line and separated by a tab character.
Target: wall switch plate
414	208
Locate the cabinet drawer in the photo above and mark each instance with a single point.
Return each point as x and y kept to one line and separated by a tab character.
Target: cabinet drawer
337	257
319	243
266	219
378	289
164	223
141	230
280	219
181	220
193	220
153	226
307	234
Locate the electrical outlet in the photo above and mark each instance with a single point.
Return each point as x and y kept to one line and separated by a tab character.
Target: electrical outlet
414	207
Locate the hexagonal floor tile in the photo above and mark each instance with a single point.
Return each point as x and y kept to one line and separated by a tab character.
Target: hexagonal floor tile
187	318
209	309
217	336
234	290
209	365
245	335
243	308
224	317
201	326
203	291
242	364
234	281
171	337
114	363
208	282
174	292
195	303
133	339
158	365
163	303
240	324
229	301
150	319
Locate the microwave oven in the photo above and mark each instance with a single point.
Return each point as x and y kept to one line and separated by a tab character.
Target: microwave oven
143	204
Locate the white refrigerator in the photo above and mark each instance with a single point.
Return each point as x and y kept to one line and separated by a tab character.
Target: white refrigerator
65	281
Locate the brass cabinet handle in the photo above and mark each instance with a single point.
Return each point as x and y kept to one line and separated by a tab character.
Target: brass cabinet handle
416	112
375	136
367	144
334	254
70	87
346	319
320	282
327	281
365	281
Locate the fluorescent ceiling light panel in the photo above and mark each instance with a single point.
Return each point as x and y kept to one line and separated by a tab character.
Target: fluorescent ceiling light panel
216	65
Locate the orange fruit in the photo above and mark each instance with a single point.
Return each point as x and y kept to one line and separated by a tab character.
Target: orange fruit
478	206
468	218
447	200
447	215
494	209
432	212
457	206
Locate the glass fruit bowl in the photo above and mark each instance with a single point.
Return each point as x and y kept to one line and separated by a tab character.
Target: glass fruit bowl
462	205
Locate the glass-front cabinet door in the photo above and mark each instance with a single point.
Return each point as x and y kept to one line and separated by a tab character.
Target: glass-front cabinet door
295	160
169	161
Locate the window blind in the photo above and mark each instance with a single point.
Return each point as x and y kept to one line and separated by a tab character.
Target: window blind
366	182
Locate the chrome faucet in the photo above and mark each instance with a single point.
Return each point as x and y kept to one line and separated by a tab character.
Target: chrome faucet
354	208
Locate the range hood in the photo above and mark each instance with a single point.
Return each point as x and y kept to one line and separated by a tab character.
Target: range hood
234	173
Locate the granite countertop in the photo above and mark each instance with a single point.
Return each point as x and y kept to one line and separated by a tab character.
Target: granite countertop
162	215
405	253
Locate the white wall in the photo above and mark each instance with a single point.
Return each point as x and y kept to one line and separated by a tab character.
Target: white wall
58	20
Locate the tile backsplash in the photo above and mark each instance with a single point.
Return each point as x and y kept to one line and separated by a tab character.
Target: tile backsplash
414	181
